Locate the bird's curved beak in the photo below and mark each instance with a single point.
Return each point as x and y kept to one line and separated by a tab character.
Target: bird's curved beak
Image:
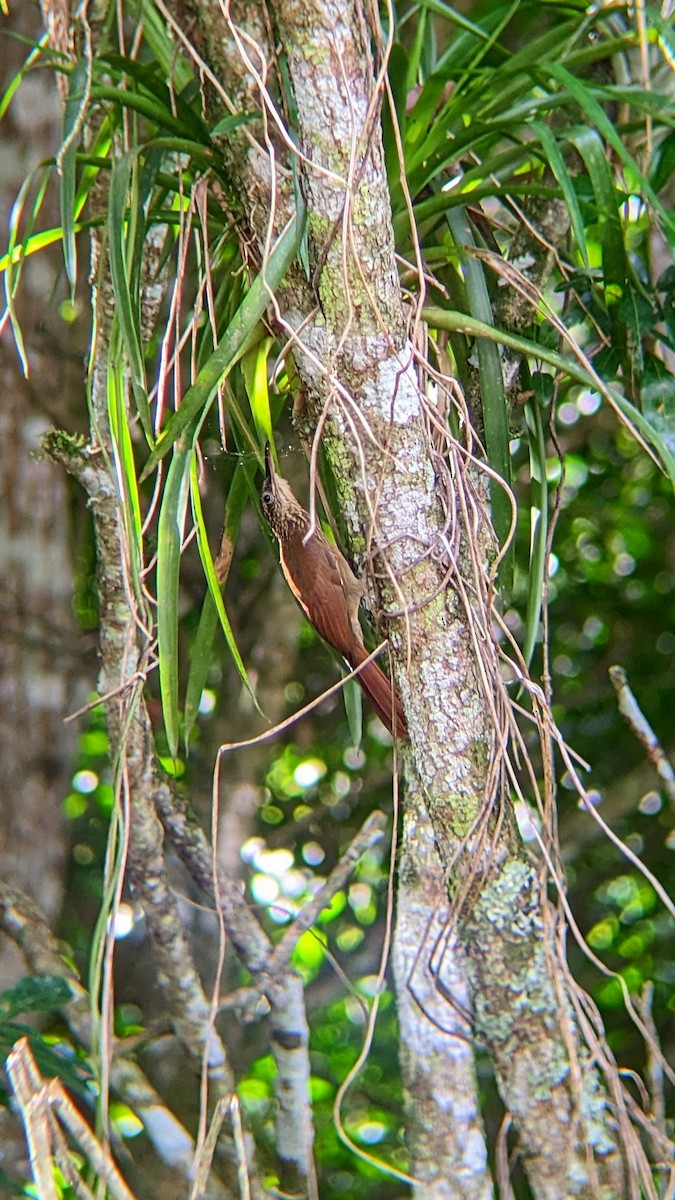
269	464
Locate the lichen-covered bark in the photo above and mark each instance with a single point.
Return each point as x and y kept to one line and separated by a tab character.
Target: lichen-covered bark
434	1012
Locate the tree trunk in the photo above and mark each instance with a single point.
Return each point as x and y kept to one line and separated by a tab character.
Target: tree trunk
421	534
44	669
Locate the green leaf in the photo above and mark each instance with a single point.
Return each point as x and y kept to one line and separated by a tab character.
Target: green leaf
538	527
209	571
147	106
15	82
201	661
51	1062
96	160
440	318
414	58
598	117
559	169
16	252
441	9
658	406
125	463
172	107
161	45
32	245
127	307
483	102
35	993
73	117
201	652
664	163
495	414
353	698
592	151
171	527
254	370
229	124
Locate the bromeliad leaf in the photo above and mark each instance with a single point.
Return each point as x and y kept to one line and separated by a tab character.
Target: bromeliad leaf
254	368
201	653
538	527
121	235
67	163
210	572
492	390
648	429
169	545
592	151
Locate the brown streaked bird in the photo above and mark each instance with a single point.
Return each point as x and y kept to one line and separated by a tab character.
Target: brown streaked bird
327	590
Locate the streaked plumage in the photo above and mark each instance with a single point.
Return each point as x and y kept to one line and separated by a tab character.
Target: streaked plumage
327	590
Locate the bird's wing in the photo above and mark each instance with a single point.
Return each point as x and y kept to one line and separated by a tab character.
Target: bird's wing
314	576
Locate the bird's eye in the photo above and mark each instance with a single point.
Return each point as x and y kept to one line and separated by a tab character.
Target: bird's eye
266	496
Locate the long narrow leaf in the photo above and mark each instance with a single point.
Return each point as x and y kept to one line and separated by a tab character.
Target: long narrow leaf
457	322
557	164
162	47
151	83
209	570
201	661
150	108
170	532
353	702
254	368
16	252
539	527
592	151
33	245
454	17
414	57
15	82
598	117
124	461
493	397
511	83
500	165
95	160
127	311
201	653
67	163
215	611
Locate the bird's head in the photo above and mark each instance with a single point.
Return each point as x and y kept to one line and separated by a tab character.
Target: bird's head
278	502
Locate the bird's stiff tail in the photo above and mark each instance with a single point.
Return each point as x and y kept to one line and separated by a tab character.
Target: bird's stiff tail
375	683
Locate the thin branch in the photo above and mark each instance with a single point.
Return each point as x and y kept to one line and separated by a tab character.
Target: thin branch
21	920
371	832
638	723
37	1100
